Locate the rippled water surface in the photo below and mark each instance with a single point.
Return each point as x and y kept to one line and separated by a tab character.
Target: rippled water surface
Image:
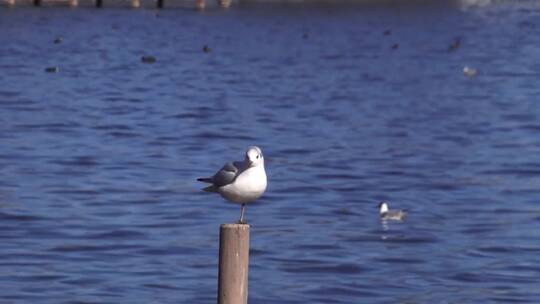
352	104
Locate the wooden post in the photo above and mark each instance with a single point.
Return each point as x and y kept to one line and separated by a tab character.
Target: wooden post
99	3
37	2
73	3
160	3
10	2
233	264
135	3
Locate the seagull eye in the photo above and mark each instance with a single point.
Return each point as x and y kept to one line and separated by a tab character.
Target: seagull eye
257	156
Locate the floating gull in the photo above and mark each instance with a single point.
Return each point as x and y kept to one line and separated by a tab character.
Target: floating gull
387	214
469	72
240	182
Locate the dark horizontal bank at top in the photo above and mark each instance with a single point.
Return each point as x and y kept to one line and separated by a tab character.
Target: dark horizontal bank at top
200	4
226	3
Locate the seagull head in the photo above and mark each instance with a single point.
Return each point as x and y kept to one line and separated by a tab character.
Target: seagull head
254	156
383	207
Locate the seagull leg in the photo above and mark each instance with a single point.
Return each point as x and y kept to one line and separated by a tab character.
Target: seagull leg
241	221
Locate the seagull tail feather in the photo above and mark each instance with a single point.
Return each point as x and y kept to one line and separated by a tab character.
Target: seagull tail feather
211	188
205	179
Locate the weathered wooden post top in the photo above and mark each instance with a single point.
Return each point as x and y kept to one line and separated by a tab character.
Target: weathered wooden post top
233	264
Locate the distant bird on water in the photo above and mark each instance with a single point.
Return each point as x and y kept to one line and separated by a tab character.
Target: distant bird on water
148	59
469	72
387	214
240	182
455	44
52	69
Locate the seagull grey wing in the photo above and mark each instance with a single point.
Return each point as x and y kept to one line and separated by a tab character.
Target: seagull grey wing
226	175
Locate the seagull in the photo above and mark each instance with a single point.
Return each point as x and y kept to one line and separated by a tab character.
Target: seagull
240	182
386	214
469	72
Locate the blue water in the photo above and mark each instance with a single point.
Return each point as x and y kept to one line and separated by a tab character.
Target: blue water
98	197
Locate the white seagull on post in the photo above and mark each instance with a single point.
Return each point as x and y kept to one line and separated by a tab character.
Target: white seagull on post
240	182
